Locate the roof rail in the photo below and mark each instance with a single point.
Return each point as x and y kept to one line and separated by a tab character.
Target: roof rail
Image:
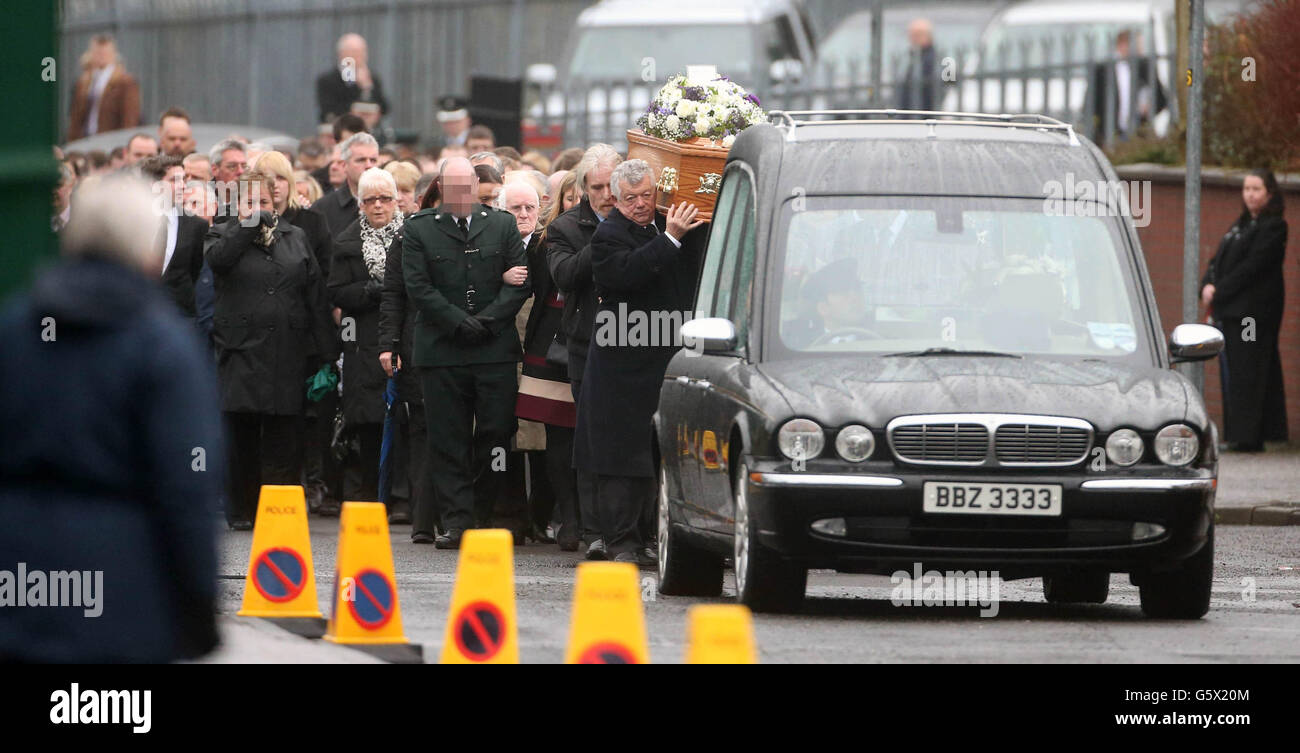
792	120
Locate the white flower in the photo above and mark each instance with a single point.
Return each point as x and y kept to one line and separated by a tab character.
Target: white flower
685	108
703	125
722	114
728	140
672	123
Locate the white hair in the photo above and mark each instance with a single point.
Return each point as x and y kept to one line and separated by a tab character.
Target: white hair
221	147
598	155
492	158
116	218
376	177
628	174
356	139
502	201
528	177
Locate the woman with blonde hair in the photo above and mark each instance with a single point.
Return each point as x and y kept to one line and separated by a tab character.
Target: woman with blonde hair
565	199
406	175
306	187
287	204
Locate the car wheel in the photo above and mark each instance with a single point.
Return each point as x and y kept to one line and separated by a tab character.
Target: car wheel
1184	593
1077	588
764	582
684	570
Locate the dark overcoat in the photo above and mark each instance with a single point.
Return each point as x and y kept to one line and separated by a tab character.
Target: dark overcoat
568	258
363	377
112	462
637	271
271	320
397	324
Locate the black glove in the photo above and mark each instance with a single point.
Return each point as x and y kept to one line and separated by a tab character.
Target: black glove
374	289
472	331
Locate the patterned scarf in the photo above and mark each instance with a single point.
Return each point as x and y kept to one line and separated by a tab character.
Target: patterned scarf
375	243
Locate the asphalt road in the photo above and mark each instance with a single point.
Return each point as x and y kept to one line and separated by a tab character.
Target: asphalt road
849	618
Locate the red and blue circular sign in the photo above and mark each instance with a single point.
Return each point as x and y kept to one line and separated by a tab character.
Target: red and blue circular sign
373	599
279	574
480	630
607	653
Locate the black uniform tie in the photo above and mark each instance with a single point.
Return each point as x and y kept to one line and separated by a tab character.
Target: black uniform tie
463	224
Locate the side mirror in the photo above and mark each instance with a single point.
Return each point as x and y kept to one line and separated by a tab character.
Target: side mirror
784	70
540	73
1194	342
711	335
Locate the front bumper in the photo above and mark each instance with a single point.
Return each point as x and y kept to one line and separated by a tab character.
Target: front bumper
1144	519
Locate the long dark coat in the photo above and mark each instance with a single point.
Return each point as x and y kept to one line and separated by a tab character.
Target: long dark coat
636	270
397	324
568	258
271	320
319	238
100	426
544	392
363	378
182	273
1246	271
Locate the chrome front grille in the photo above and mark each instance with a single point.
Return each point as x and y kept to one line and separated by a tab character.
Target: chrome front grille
962	439
1038	443
941	443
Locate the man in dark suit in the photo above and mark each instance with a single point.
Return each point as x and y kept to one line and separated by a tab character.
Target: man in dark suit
344	127
351	81
360	153
1123	91
917	89
466	345
568	257
181	237
639	268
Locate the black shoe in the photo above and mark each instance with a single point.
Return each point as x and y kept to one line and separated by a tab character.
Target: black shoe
423	537
647	557
240	525
399	514
329	508
540	536
449	540
567	540
596	551
315	495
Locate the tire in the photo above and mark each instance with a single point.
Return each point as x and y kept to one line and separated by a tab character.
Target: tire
1183	594
1077	588
764	582
683	569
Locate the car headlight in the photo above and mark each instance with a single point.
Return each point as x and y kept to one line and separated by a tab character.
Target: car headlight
801	439
1177	444
855	443
1124	447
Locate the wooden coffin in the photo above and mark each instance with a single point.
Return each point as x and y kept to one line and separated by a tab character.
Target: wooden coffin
683	171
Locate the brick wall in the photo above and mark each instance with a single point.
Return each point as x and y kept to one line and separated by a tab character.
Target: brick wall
1162	242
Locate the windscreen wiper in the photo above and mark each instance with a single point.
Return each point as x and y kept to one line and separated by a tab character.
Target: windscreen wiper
952	352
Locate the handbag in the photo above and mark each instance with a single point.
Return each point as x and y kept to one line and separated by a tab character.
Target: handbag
557	353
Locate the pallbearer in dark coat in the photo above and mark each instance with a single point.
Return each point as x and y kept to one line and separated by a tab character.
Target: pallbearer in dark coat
465	340
272	329
1243	290
355	285
639	268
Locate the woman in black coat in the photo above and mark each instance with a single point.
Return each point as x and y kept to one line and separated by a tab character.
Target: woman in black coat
1243	290
355	286
272	330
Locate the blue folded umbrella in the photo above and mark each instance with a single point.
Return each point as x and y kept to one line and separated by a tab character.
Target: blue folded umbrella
385	447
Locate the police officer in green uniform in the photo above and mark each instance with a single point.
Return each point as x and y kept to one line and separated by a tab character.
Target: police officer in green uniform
466	344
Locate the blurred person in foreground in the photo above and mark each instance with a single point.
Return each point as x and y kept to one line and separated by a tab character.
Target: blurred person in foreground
113	462
272	330
1243	291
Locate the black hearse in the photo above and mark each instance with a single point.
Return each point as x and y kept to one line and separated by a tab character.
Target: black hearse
905	352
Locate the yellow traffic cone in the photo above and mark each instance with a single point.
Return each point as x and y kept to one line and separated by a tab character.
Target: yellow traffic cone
280	581
720	634
608	625
481	626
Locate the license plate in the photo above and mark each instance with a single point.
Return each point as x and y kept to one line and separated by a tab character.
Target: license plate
992	499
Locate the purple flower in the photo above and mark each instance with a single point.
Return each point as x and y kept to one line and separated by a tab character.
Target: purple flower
752	98
695	93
